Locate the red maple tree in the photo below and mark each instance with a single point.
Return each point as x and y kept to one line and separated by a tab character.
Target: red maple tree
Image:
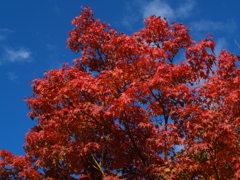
128	108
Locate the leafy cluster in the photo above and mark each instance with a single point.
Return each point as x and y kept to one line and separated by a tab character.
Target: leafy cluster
127	109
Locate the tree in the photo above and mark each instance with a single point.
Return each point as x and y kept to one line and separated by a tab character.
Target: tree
127	109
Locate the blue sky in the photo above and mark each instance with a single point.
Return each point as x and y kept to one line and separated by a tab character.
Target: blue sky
33	40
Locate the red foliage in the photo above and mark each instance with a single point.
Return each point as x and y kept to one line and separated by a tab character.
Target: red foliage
127	110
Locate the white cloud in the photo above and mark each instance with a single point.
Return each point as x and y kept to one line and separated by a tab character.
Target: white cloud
158	8
19	55
145	8
163	9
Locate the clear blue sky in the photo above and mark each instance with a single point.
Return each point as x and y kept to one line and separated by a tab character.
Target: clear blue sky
33	37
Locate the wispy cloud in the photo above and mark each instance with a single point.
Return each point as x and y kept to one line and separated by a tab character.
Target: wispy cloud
12	75
221	43
208	25
131	15
140	9
4	32
164	9
158	8
2	37
185	9
17	55
54	56
57	10
51	47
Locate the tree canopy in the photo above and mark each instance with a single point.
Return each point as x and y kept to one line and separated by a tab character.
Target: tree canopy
152	105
